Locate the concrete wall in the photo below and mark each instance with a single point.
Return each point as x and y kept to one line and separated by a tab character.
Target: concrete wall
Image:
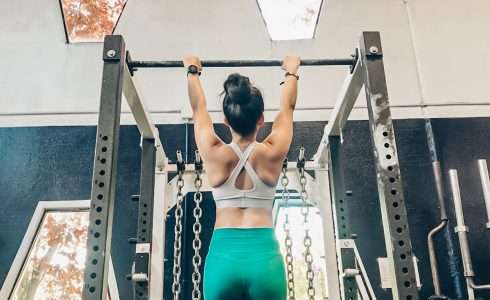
435	54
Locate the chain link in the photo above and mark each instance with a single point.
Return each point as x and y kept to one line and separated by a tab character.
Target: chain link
196	243
305	210
287	240
176	286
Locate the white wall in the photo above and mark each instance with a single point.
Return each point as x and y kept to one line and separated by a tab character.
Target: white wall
436	54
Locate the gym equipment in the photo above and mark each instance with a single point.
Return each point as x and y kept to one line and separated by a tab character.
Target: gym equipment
134	65
367	69
462	231
288	242
305	210
485	183
176	285
437	173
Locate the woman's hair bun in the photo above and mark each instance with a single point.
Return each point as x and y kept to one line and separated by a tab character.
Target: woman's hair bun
237	88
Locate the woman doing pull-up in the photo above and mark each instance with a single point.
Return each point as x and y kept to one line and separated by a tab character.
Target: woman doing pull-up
244	261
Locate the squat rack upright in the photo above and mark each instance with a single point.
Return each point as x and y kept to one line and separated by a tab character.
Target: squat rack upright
366	69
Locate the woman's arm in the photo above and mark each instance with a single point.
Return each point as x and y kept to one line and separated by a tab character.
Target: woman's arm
281	136
206	138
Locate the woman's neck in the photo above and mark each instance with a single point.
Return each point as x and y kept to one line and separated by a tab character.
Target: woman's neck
243	140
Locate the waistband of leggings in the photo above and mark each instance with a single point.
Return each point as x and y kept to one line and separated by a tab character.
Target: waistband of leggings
241	240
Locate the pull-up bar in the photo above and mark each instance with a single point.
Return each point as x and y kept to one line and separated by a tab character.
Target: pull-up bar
134	64
240	63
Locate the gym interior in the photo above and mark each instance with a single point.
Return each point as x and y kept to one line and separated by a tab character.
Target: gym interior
386	191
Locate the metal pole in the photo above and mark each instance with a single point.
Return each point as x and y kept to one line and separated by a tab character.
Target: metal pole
462	230
436	170
142	256
239	63
105	171
339	201
390	189
485	183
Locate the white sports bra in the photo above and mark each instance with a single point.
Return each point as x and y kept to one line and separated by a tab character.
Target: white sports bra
228	195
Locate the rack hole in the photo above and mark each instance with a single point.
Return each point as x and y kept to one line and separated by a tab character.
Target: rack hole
99	209
101	184
102	173
388	156
104	149
97	234
387	145
399	229
395	204
397	217
96	248
100	196
94	261
103	160
405	270
392	179
92	289
98	221
390	168
385	133
93	275
104	138
401	243
393	191
407	283
403	256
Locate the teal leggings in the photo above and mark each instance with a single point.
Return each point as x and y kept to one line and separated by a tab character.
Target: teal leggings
244	263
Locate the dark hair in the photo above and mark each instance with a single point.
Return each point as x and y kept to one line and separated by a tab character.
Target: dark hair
242	104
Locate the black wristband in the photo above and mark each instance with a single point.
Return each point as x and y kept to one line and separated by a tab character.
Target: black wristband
193	69
289	74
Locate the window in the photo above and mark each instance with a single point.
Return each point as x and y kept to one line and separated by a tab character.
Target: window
290	19
51	259
297	232
90	20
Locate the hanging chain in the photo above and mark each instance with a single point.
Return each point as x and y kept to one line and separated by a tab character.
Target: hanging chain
176	286
305	210
287	240
196	228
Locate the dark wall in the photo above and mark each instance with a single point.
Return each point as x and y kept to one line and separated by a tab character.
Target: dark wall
55	163
460	143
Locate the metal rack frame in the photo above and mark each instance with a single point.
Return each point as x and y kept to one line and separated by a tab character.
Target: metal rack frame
366	69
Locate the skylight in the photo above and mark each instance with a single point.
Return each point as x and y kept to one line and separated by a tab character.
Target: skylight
290	19
90	20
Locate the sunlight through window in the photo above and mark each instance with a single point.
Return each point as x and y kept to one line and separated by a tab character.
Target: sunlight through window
90	20
290	19
56	261
297	231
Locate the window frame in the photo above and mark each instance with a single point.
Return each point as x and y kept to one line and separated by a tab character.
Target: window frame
67	36
313	36
35	224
